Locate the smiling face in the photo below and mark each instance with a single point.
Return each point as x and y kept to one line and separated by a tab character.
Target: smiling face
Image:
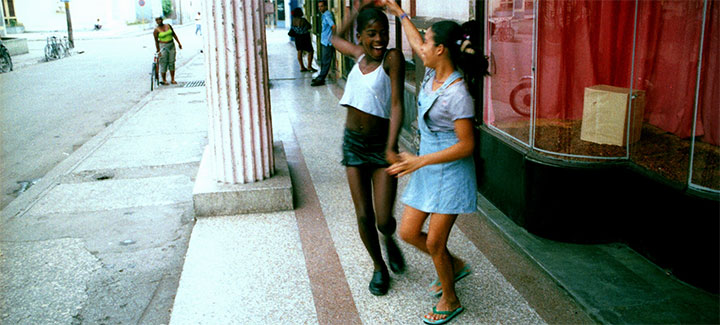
374	39
430	51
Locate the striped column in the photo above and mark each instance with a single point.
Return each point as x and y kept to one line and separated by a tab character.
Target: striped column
238	96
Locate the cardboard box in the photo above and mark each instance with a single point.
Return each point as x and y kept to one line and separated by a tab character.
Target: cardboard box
605	115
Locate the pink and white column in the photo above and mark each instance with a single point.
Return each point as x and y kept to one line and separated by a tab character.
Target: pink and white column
242	170
240	130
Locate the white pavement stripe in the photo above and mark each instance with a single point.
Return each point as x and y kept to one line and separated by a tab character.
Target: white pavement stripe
114	194
146	151
247	269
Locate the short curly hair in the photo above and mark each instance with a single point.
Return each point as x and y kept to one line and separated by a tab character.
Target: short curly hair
297	12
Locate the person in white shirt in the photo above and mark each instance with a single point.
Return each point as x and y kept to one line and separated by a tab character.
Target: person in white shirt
374	101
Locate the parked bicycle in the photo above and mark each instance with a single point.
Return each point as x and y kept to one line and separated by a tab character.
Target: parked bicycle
56	48
154	81
5	60
154	73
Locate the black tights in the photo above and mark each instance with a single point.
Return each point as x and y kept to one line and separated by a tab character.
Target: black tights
365	183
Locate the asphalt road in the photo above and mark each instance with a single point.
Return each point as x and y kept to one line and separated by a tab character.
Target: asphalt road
49	109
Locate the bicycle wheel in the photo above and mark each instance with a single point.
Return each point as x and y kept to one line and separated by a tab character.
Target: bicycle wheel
5	62
55	51
48	52
521	98
153	76
63	50
157	74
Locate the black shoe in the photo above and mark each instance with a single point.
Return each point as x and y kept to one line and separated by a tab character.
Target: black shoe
395	257
317	83
380	283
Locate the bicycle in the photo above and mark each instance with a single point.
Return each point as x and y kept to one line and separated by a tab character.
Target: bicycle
521	96
5	60
154	73
154	81
55	48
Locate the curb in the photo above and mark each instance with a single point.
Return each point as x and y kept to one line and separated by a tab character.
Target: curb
47	182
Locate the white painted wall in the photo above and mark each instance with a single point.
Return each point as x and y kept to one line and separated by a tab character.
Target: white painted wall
49	15
455	9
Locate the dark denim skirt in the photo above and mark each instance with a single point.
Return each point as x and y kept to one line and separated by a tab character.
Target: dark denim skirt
364	149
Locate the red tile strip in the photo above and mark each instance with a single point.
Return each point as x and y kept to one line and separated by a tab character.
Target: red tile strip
333	300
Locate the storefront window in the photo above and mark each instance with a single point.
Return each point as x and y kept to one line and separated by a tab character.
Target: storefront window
706	153
618	79
509	88
666	69
584	70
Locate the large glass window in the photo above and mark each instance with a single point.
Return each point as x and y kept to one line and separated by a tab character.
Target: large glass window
613	79
509	91
666	69
706	153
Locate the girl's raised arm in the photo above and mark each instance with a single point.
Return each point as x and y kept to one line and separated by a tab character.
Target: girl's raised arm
413	35
338	39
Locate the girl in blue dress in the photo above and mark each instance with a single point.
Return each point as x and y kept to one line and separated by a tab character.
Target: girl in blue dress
443	182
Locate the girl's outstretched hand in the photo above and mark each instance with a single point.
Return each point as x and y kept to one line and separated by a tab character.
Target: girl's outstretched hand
391	156
407	164
360	4
392	6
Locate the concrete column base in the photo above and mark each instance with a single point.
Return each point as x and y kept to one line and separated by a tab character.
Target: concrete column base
211	198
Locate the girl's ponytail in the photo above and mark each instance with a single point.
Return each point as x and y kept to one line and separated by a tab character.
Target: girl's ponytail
462	42
472	63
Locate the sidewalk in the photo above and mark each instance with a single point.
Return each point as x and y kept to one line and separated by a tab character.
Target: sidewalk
309	265
102	237
306	266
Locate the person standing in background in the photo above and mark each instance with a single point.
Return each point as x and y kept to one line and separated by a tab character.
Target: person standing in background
328	51
165	47
300	29
198	24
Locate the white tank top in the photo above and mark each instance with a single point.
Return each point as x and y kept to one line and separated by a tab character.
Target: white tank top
370	92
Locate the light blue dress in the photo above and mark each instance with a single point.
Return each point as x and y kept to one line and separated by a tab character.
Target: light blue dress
447	188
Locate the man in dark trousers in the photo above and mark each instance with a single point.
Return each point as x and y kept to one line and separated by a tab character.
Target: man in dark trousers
328	51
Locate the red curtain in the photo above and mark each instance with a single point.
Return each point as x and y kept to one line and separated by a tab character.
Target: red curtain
586	42
709	101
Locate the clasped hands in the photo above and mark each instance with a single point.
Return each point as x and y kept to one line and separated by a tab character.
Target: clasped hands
404	163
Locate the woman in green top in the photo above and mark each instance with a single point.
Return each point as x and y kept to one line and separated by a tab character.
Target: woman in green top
165	47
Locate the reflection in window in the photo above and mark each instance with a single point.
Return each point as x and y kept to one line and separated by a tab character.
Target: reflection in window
583	44
509	87
589	55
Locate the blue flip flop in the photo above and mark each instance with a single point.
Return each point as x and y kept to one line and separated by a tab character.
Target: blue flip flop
450	314
458	276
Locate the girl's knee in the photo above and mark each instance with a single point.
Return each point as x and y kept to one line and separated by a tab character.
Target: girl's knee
408	235
387	225
434	245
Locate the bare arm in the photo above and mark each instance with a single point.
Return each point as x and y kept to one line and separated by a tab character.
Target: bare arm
463	148
395	63
157	43
176	38
338	39
413	35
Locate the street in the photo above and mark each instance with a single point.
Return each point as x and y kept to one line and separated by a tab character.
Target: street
99	262
50	109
